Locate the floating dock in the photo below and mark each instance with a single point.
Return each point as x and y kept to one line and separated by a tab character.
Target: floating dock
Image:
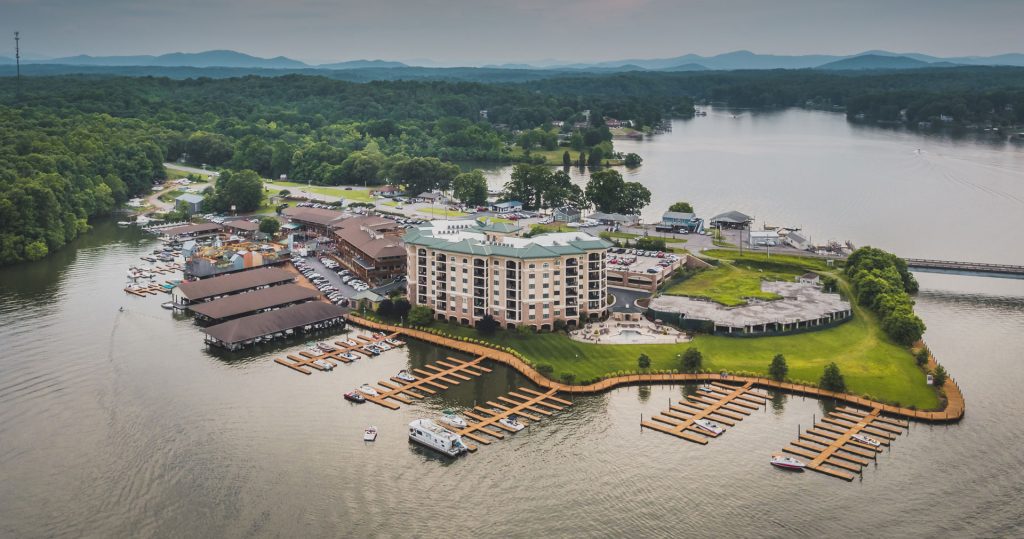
429	379
724	404
831	448
303	361
143	291
484	420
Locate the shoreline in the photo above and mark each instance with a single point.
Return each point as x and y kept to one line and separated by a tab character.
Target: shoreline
953	411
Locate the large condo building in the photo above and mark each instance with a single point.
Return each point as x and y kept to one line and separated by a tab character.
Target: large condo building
464	270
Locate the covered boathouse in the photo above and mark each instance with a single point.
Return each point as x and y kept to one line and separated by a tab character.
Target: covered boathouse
189	292
277	324
257	301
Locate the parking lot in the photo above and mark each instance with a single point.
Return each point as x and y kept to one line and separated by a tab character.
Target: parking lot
312	268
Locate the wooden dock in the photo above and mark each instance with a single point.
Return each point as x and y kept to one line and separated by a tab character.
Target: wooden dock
431	378
526	404
143	291
831	449
304	361
724	404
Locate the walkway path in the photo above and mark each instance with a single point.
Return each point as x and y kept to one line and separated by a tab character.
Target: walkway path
954	410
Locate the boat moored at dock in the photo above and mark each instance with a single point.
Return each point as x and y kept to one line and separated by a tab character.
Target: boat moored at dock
429	434
787	463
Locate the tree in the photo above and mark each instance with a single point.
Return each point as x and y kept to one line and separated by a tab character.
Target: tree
36	250
269	225
566	159
778	368
692	360
528	184
634	197
921	357
682	207
470	188
903	326
832	379
421	315
568	378
401	308
420	174
581	161
487	325
605	190
595	158
643	361
939	376
242	189
633	160
386	308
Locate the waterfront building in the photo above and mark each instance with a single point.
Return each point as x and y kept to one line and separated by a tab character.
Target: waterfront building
189	292
762	238
466	269
615	219
313	220
189	203
371	247
677	220
567	214
731	219
507	206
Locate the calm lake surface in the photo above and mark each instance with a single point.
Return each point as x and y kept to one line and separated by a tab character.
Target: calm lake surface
120	424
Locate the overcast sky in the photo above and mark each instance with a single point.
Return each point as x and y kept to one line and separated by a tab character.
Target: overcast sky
472	32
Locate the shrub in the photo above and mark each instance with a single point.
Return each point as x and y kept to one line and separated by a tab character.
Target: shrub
644	362
778	368
568	378
922	356
939	376
832	379
691	361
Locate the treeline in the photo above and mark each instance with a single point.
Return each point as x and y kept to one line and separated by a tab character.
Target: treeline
884	284
326	131
57	171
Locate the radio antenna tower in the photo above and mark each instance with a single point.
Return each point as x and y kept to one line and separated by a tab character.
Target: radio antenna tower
17	53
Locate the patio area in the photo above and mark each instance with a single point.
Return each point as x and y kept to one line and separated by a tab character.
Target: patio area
636	331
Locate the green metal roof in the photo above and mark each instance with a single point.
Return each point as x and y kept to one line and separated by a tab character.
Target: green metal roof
424	237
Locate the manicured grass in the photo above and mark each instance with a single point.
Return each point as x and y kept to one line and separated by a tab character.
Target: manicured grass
544	229
871	364
730	284
628	236
356	194
442	212
762	259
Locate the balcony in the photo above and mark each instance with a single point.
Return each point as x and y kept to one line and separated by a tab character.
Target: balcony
571	272
479	272
479	282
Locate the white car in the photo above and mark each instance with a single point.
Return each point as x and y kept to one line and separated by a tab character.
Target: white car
573	225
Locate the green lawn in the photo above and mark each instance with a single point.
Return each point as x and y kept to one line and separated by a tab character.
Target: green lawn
169	196
731	284
871	364
762	259
356	194
628	236
544	229
441	212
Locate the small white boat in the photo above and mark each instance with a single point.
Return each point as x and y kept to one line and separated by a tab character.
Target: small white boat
867	440
709	426
167	305
325	365
350	342
377	335
367	389
384	347
123	223
370	434
404	376
394	342
325	346
789	463
449	417
511	422
706	388
429	434
349	356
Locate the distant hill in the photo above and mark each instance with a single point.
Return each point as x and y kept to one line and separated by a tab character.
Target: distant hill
361	64
218	58
877	61
687	67
5	60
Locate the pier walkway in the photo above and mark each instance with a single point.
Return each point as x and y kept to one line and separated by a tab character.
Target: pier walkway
429	379
516	403
723	404
831	447
304	361
966	268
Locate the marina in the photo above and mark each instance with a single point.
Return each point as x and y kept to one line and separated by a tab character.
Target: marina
705	414
344	353
512	406
845	441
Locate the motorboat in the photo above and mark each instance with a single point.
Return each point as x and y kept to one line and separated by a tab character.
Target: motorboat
429	434
167	305
710	426
325	346
383	346
372	350
867	440
377	335
511	422
449	417
370	434
325	365
367	389
404	376
123	223
349	356
395	342
354	396
350	342
789	463
706	388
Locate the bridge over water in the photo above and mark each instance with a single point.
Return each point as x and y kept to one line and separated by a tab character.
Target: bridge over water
966	268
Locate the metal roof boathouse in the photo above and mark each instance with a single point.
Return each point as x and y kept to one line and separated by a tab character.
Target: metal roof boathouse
277	324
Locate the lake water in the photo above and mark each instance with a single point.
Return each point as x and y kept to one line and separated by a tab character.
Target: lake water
120	424
930	196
